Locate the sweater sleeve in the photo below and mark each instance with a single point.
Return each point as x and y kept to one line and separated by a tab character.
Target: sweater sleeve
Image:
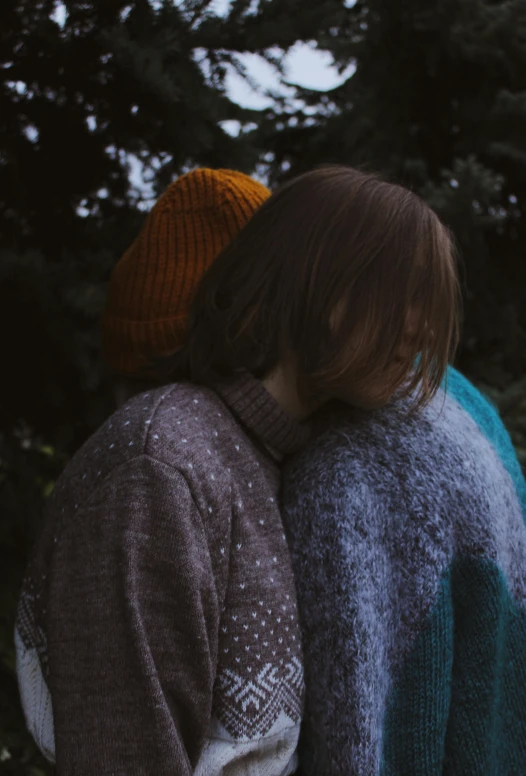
487	418
133	620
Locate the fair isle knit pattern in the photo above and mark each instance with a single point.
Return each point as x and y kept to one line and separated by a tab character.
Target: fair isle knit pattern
266	692
157	629
408	542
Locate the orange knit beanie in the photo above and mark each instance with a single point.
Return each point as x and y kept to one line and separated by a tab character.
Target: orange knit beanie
153	284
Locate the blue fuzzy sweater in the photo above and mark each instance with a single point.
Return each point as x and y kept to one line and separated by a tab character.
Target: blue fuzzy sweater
408	542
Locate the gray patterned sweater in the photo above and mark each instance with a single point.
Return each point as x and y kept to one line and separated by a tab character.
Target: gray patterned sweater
408	542
157	629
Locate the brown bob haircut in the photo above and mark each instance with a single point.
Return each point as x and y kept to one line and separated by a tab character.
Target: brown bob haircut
333	257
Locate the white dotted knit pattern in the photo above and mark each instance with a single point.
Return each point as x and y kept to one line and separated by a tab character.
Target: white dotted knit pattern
259	682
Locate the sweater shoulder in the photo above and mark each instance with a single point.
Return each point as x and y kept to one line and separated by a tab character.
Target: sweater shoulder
433	475
164	424
485	414
436	446
173	426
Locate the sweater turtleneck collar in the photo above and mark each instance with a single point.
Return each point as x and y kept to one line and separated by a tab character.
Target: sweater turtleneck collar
260	413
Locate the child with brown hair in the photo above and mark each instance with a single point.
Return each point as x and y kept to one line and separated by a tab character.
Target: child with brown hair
159	610
408	541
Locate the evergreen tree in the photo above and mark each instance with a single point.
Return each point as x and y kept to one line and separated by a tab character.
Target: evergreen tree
77	97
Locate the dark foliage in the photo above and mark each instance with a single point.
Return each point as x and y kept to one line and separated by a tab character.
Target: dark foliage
92	89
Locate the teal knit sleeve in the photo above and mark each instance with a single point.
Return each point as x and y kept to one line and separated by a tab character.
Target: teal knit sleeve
486	416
